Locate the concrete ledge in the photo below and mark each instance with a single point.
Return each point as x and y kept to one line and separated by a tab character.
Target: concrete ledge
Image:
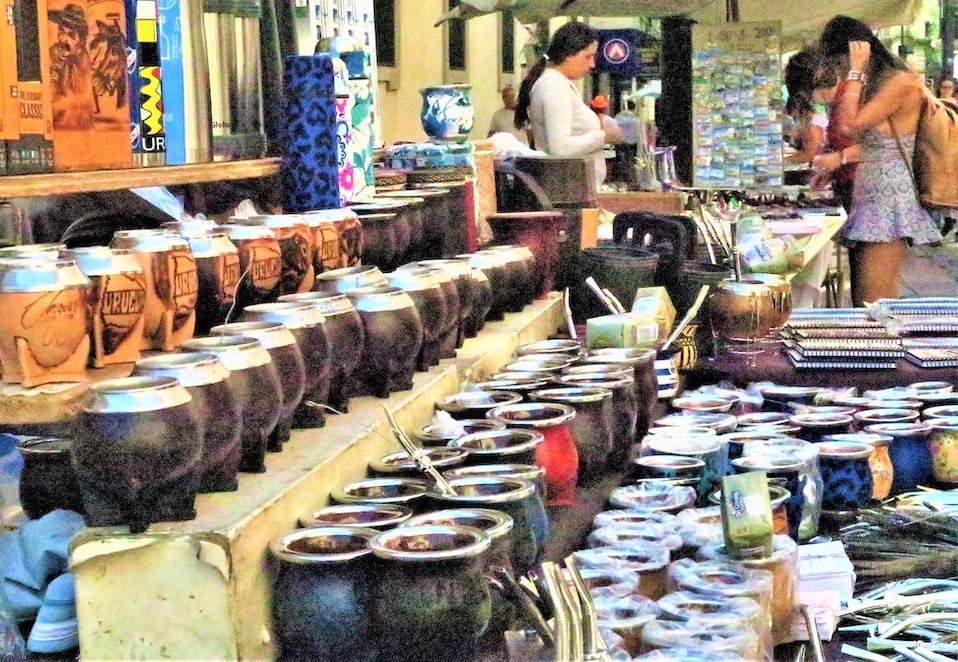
242	523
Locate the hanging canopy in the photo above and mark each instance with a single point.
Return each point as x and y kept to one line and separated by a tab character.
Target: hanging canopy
533	11
802	22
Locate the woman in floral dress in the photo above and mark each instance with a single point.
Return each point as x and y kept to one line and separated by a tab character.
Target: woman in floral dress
881	98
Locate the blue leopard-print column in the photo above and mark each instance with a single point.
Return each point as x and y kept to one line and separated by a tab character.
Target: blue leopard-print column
309	173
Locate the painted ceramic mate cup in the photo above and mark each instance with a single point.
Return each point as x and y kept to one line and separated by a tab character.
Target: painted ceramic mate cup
261	263
910	454
557	453
879	461
172	285
218	272
295	240
943	443
847	475
43	333
117	298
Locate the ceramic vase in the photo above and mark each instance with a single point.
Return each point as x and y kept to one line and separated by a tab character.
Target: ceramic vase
43	331
205	378
138	444
447	114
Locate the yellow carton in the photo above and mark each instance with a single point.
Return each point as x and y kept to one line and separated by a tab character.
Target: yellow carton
654	302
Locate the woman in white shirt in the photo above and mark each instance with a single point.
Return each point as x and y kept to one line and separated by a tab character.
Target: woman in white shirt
550	104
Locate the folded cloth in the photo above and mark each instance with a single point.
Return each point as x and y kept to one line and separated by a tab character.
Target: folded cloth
56	630
31	556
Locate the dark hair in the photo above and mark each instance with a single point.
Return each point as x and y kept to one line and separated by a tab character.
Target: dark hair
799	81
567	41
942	79
841	30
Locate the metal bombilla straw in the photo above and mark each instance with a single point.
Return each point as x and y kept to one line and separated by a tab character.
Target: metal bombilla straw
733	243
594	647
418	456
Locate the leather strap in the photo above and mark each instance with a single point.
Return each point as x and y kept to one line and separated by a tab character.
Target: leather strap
904	157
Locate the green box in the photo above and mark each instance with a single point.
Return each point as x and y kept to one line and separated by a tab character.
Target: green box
623	330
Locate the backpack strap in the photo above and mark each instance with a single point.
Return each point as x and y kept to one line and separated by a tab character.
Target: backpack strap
904	157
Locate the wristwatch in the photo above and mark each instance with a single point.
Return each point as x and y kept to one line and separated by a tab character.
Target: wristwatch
856	75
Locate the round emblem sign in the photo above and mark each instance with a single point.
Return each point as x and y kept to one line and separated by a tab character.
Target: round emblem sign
616	51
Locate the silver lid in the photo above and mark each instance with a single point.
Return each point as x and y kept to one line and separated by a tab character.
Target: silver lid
103	260
325	302
190	368
292	314
27	275
135	394
148	241
234	352
270	334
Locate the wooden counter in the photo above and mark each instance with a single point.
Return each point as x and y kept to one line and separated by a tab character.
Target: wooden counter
660	202
200	589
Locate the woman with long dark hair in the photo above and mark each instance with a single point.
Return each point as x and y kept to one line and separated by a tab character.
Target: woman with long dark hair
551	106
878	108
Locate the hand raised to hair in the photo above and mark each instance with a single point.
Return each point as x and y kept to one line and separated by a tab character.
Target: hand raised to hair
858	54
